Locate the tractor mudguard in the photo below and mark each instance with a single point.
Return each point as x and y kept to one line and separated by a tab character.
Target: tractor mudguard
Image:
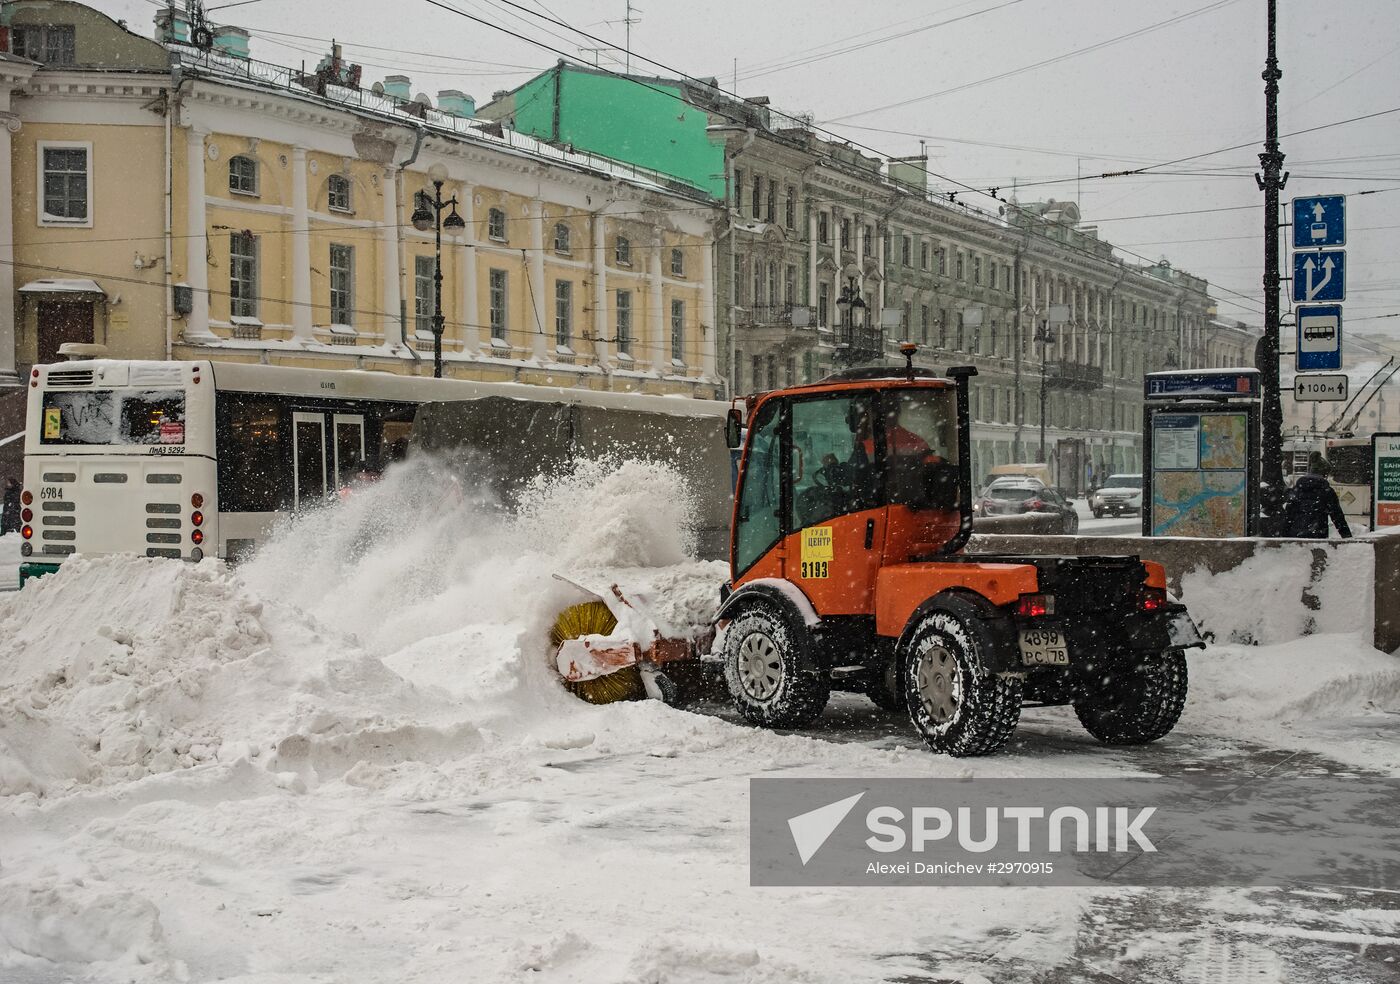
994	632
788	599
900	589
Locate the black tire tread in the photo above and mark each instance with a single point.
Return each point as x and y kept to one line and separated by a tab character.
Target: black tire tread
803	695
1136	703
992	703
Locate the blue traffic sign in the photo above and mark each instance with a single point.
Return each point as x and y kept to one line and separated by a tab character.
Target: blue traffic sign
1319	337
1319	221
1319	275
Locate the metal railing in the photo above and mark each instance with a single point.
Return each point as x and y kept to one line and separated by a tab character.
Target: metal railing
1062	374
783	315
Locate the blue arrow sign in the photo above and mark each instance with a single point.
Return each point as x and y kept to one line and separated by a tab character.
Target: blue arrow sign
1319	221
1319	337
1320	275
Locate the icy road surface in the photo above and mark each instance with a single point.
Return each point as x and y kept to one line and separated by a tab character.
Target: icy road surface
349	761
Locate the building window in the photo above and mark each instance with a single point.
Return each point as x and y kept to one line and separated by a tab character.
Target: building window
771	364
423	267
243	275
678	332
624	322
338	193
824	305
808	370
496	225
923	256
845	233
960	265
563	312
243	175
771	213
959	339
65	183
677	262
52	44
497	303
867	241
622	252
739	189
923	323
773	283
757	203
906	251
757	283
342	284
790	285
943	328
790	209
977	270
561	238
942	262
756	374
908	319
823	228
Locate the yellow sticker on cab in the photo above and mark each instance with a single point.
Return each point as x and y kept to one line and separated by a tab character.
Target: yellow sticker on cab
53	423
817	552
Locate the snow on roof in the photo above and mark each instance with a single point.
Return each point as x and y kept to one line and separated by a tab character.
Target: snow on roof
231	70
50	285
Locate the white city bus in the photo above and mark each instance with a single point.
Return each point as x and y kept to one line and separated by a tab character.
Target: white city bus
1349	461
195	459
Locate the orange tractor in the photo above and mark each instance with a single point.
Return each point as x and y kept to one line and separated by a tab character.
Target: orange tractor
853	504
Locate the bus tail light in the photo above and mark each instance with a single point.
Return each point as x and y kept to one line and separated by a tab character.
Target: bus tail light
197	518
1035	605
26	549
27	531
196	500
27	497
26	514
197	536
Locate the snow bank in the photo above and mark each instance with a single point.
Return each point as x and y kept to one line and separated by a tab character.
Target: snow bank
1283	593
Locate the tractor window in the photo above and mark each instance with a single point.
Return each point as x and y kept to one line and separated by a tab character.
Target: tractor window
921	440
760	500
832	458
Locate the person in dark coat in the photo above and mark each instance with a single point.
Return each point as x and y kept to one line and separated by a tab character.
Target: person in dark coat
9	510
1312	502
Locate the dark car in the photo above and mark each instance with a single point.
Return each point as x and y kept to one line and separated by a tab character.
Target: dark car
1017	496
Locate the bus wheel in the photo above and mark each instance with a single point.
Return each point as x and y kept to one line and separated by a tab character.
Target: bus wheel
593	618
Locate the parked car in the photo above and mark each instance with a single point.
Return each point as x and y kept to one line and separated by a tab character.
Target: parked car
1015	496
1119	494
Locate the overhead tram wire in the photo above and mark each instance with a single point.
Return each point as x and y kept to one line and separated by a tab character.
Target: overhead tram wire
676	72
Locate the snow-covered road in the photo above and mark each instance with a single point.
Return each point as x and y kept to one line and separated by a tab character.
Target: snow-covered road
349	761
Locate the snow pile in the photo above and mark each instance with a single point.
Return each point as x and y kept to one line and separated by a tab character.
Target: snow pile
1284	592
1316	678
120	667
393	626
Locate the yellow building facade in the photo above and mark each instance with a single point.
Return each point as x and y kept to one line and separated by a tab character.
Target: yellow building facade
222	208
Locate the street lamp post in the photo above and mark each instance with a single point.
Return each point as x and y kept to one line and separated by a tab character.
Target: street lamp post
853	313
1057	314
428	215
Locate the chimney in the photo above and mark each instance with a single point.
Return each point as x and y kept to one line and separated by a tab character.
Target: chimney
398	87
172	26
454	102
231	41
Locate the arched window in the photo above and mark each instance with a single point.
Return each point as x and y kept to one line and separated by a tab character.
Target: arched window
496	225
338	193
243	175
561	238
622	252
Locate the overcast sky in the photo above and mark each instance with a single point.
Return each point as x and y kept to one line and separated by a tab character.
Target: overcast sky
1186	87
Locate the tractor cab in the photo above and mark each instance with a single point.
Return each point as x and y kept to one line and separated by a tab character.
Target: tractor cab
845	476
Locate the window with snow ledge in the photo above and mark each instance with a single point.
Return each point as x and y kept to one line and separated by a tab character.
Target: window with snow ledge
500	343
564	350
245	328
623	356
343	335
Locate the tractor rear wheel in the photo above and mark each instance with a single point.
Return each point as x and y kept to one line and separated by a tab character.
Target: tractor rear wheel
764	672
1134	700
955	707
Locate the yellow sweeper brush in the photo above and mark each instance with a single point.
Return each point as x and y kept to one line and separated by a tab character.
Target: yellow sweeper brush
593	618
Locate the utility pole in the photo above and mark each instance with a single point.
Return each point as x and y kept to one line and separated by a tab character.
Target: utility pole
1271	182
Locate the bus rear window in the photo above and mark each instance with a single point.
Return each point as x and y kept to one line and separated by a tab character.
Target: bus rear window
1351	464
113	417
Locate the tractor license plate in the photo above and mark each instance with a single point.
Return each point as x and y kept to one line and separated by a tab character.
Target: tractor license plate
1044	647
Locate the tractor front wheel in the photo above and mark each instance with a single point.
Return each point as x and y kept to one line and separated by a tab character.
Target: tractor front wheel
955	707
1134	700
764	672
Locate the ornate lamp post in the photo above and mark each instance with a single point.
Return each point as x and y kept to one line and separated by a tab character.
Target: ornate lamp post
428	215
853	314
